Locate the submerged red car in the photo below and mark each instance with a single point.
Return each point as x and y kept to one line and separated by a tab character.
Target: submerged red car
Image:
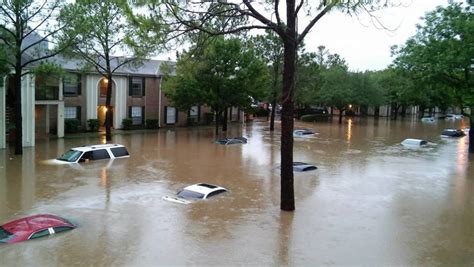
33	227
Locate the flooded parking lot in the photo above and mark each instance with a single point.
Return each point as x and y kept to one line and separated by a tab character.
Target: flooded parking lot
370	202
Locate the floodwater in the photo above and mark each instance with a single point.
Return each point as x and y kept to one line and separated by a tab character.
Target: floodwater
371	202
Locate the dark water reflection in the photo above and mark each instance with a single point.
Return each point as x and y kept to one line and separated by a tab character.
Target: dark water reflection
371	202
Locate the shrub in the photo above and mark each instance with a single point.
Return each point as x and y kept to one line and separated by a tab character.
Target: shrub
127	124
93	125
72	125
314	117
151	123
261	112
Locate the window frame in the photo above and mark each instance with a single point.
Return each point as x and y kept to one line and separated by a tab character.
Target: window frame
136	92
72	92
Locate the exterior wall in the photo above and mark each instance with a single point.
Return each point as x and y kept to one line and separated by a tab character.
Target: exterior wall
152	91
79	101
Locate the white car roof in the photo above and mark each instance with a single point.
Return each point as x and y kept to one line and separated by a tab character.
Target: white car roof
412	141
95	147
203	189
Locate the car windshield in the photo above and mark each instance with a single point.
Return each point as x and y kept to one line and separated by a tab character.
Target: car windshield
190	194
70	156
4	235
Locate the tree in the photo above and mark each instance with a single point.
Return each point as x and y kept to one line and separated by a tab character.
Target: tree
27	27
336	89
247	15
442	52
224	75
101	30
270	49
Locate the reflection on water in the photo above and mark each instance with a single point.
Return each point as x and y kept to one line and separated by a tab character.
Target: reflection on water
371	201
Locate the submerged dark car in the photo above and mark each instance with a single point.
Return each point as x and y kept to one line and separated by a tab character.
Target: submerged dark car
231	141
453	133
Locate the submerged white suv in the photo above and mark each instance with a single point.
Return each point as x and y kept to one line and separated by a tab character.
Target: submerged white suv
93	152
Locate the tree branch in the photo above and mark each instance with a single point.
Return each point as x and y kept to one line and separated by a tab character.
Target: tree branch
313	21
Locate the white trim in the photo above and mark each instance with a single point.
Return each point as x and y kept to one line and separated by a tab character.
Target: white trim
3	108
28	109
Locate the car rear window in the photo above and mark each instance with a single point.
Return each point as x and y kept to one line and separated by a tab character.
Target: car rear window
119	151
60	229
190	194
100	154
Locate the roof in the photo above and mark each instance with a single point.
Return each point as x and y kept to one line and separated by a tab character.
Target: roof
94	147
147	67
203	188
27	225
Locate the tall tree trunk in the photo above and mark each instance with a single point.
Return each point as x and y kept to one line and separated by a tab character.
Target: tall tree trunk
109	111
287	197
403	112
18	117
340	115
224	122
272	115
218	117
376	112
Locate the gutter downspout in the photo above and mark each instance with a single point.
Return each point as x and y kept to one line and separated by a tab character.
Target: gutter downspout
159	102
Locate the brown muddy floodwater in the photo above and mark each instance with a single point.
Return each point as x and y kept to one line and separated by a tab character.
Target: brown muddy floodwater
371	202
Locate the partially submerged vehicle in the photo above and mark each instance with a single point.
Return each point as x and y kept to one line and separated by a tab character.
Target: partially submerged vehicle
32	227
453	133
303	167
231	141
412	142
196	192
93	152
428	119
304	133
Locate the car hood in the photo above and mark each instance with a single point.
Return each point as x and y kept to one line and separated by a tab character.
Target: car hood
57	162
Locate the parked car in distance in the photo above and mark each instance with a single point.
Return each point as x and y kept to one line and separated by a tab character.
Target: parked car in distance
304	133
453	116
32	227
452	133
428	119
93	152
412	142
196	192
231	141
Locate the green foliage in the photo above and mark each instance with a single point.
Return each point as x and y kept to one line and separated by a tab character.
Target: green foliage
72	125
439	58
151	123
315	117
93	125
226	74
127	124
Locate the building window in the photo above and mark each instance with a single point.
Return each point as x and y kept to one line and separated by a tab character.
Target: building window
136	86
136	114
47	87
171	115
103	87
194	112
72	84
72	113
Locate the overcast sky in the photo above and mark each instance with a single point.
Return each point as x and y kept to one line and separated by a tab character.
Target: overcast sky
360	43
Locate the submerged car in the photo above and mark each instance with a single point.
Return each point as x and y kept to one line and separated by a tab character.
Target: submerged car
412	142
453	117
304	133
428	119
196	192
93	152
231	141
453	133
303	167
33	227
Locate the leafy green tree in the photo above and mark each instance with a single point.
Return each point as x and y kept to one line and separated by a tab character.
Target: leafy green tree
27	28
101	31
224	75
336	89
442	52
